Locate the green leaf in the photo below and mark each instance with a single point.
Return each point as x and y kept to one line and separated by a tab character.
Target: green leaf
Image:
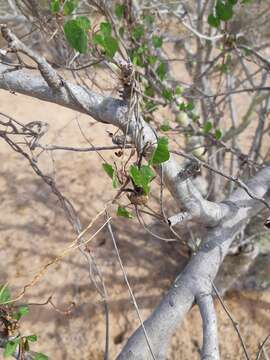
40	356
224	10
182	106
4	294
149	91
137	60
135	175
106	28
142	49
55	6
233	2
108	169
22	311
157	41
83	22
142	177
218	134
161	71
207	127
119	10
178	90
167	94
152	59
165	126
138	32
69	7
122	212
213	21
76	35
150	106
223	68
147	174
110	46
32	338
105	40
161	153
10	347
111	173
149	19
190	106
98	40
115	180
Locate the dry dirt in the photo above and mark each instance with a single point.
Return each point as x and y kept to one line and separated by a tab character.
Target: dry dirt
34	231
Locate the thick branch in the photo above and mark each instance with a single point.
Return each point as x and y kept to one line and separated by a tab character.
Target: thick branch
17	19
27	83
210	334
114	111
196	279
48	73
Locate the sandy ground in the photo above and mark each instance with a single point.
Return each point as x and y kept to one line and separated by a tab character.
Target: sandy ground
34	231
